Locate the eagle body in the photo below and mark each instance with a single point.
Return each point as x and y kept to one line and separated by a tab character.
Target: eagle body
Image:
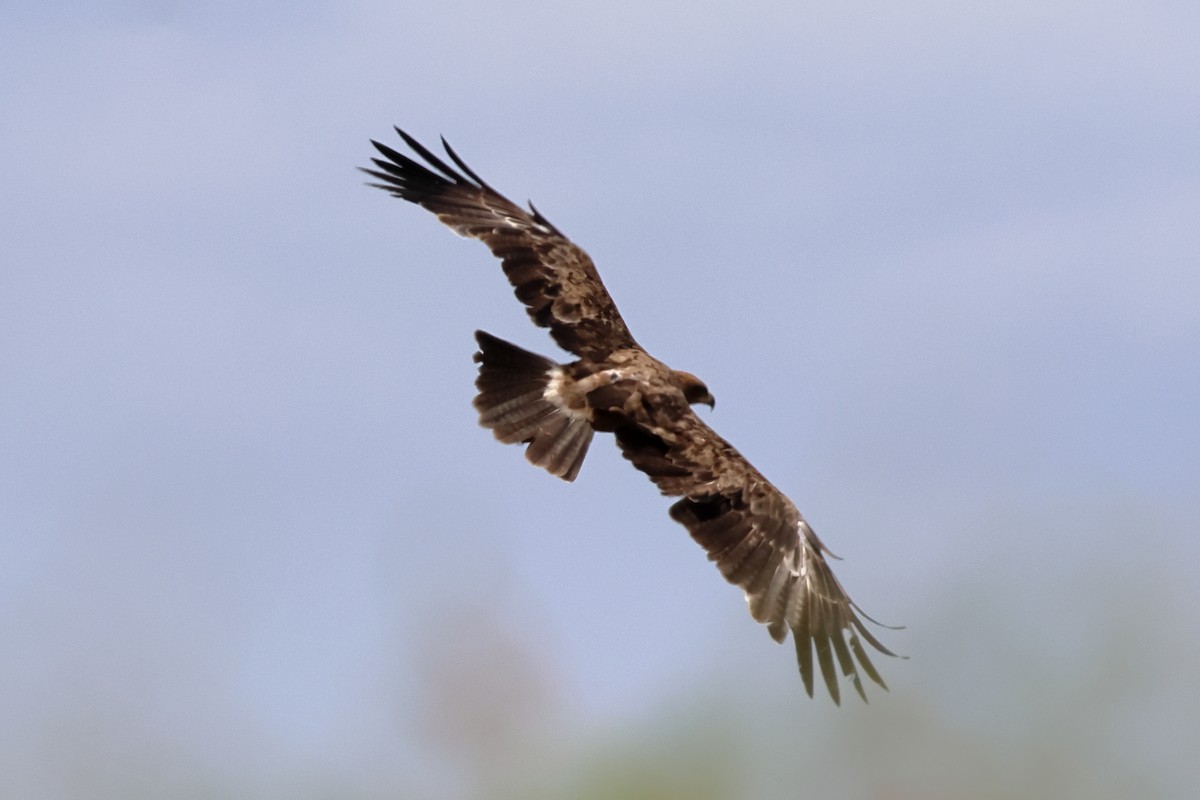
554	408
754	534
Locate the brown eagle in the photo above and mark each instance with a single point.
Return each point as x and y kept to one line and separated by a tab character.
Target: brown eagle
756	536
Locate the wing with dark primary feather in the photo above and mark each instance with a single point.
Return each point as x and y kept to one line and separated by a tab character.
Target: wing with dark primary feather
551	275
758	539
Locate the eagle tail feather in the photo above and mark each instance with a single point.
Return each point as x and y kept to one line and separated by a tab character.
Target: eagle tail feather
517	402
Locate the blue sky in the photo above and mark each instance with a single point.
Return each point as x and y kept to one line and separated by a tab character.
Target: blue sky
938	264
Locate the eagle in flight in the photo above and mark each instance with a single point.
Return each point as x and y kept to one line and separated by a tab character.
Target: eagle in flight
757	537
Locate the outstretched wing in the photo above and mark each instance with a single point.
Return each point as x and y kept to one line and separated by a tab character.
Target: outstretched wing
757	537
551	275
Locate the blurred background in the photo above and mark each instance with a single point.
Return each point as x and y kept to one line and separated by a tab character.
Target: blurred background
938	262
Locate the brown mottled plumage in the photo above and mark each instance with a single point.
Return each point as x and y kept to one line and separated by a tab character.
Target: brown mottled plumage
757	537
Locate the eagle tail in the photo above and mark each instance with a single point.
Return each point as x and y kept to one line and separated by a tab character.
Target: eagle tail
519	402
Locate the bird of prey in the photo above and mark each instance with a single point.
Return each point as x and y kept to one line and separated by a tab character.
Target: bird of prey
755	535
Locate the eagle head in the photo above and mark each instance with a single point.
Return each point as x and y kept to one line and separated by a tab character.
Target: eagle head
694	389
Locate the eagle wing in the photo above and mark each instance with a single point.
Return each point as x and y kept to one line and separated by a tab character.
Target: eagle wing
551	275
757	537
